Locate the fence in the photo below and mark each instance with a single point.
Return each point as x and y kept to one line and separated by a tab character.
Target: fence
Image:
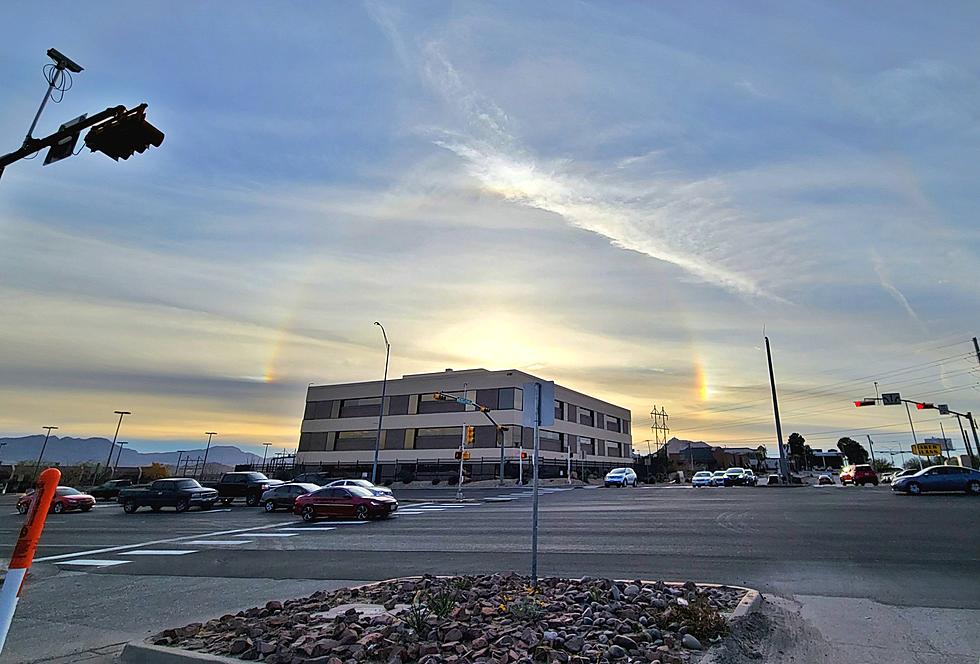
441	470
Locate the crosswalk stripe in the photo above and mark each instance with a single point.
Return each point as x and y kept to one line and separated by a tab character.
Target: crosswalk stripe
158	552
92	562
267	535
221	542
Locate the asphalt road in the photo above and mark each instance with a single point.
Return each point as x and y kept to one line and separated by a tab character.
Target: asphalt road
106	577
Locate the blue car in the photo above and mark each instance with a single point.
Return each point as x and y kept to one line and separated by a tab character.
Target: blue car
939	478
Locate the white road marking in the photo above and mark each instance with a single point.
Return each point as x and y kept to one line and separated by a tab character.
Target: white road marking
413	512
91	562
226	509
158	552
126	547
222	542
308	529
267	535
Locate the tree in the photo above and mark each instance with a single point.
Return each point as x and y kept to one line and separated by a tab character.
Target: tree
797	450
155	471
809	457
881	465
913	463
761	454
852	450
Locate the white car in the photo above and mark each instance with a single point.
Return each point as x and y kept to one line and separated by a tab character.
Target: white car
701	478
718	478
620	477
364	484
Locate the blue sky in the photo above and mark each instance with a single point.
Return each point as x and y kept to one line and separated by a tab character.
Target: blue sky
618	196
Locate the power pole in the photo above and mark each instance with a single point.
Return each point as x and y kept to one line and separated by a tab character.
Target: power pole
872	446
659	427
976	347
783	470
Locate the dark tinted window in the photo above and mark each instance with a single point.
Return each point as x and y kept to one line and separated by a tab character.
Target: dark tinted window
67	491
358	491
187	484
322	493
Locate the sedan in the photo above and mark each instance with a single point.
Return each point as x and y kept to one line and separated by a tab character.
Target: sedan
621	477
343	502
735	477
718	478
284	495
364	484
939	478
65	499
701	478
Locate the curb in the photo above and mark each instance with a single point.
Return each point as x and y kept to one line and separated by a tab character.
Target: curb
139	652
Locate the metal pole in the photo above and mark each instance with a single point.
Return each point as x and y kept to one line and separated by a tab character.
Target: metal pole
783	470
948	445
534	508
118	454
976	347
911	426
872	446
973	425
500	441
966	442
204	466
265	450
121	414
462	450
568	469
520	462
177	465
58	73
41	455
381	409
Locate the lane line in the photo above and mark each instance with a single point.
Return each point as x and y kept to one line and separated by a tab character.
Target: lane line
127	547
309	529
157	552
94	563
267	535
221	542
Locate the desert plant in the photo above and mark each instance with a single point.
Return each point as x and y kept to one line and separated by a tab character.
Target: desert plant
416	617
703	620
442	602
526	609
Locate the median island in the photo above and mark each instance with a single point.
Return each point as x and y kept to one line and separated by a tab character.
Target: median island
488	619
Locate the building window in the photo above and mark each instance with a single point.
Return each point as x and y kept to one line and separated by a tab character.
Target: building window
586	417
559	410
613	424
551	440
586	445
355	440
366	407
510	398
318	410
398	404
313	442
438	438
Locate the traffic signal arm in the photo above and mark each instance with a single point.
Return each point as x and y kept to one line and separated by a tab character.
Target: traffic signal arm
37	144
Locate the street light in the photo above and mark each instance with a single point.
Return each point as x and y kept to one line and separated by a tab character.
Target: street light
118	454
265	451
41	455
207	449
381	409
121	414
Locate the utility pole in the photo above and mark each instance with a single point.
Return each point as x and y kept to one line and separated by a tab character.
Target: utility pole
872	446
911	426
976	347
41	455
121	414
118	454
177	465
381	409
500	441
783	470
534	504
265	450
204	466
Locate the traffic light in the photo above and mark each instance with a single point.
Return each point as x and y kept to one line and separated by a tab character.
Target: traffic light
470	435
458	455
925	406
466	456
439	396
121	136
523	455
865	402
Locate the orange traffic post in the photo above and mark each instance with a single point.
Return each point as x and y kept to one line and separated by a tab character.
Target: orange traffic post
20	561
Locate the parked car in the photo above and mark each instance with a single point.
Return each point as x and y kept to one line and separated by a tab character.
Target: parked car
109	490
860	474
750	478
364	484
939	478
736	477
284	495
246	484
774	479
889	475
824	480
320	479
701	478
620	477
66	499
343	502
181	493
718	478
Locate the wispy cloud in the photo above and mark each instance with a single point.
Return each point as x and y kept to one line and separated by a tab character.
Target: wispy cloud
891	289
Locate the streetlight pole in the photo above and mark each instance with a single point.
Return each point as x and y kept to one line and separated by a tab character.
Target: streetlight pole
265	450
118	455
204	466
121	414
381	408
783	470
41	455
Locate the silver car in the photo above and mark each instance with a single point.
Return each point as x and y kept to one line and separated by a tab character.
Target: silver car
364	484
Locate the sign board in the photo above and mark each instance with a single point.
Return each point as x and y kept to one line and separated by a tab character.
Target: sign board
547	413
923	449
66	146
891	399
943	409
944	443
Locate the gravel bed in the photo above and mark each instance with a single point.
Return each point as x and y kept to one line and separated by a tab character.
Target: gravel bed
489	619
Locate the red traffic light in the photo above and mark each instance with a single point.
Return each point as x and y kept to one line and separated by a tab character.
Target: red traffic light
123	135
925	406
865	402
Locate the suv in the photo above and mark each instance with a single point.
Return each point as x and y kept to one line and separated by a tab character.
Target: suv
861	474
249	485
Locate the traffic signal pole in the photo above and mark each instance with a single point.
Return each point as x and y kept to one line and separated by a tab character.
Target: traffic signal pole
783	470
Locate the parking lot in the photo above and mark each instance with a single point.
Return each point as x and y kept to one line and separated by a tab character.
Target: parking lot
105	577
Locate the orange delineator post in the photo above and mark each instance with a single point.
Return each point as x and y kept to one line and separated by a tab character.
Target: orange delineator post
20	561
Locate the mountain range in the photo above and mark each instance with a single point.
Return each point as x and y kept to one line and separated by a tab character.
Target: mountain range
68	451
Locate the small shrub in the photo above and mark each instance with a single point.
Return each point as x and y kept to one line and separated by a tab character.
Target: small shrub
704	620
526	609
442	602
416	616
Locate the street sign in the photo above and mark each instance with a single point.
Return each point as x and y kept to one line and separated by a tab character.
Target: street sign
923	449
943	409
945	443
66	146
891	399
547	410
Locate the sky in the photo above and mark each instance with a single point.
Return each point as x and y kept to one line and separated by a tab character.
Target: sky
622	197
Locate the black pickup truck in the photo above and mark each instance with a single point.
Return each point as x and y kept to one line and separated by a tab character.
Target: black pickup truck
249	485
180	493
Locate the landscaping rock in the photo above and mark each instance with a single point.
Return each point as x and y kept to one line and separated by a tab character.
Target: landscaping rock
690	642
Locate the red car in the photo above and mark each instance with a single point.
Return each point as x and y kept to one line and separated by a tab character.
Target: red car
344	502
65	499
860	474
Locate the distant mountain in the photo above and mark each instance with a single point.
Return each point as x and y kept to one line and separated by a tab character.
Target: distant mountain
67	451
